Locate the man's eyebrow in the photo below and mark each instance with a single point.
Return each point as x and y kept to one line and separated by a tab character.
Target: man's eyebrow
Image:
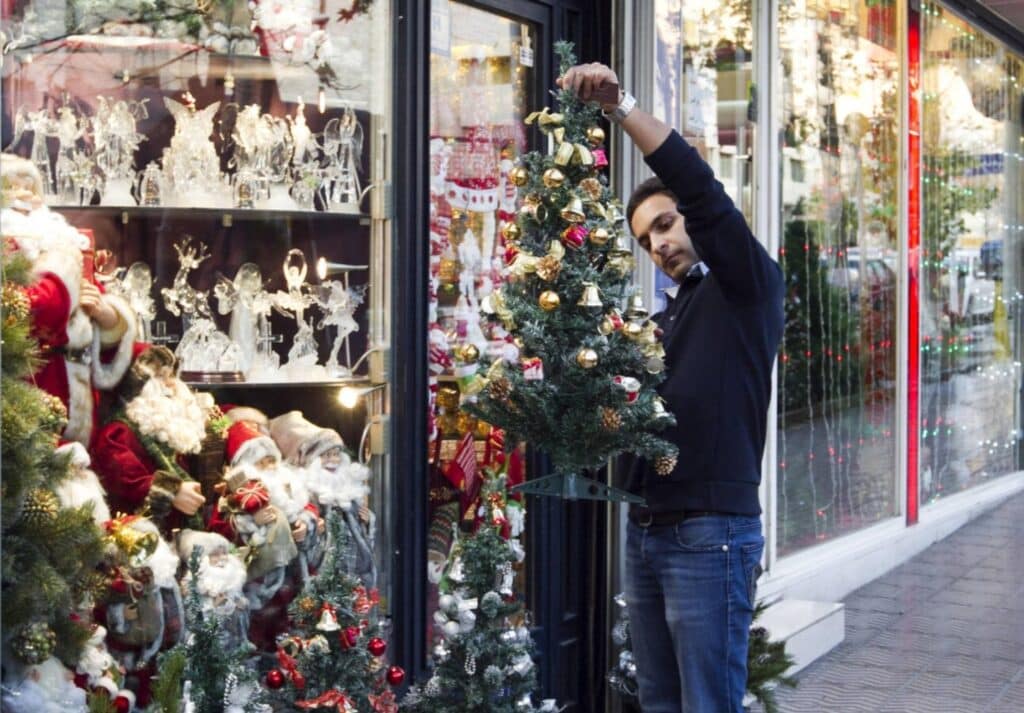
645	235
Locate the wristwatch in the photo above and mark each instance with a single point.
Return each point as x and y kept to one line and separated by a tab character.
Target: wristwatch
626	105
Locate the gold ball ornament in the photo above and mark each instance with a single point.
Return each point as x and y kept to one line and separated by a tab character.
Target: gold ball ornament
40	507
553	178
549	300
34	643
15	302
586	358
633	329
600	236
595	135
548	268
511	231
592	188
519	176
664	465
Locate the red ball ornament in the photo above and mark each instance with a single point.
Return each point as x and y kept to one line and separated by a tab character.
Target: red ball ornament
377	646
395	675
122	704
349	637
275	679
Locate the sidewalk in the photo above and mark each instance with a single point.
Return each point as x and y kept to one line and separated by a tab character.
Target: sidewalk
942	633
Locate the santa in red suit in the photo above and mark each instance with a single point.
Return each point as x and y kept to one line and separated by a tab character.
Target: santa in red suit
136	453
85	336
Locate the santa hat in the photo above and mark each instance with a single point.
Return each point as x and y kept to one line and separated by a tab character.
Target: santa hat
235	414
78	457
300	440
148	360
208	542
246	444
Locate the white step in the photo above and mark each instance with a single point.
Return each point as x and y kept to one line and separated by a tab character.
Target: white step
810	629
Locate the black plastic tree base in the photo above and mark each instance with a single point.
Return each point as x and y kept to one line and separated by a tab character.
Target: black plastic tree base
575	487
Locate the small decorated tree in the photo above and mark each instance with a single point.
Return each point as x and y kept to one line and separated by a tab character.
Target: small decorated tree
579	382
333	656
483	663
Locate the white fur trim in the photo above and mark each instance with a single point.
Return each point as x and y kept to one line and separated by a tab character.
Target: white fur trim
108	685
255	449
79	456
129	696
247	413
83	488
65	263
164	565
80	403
107	376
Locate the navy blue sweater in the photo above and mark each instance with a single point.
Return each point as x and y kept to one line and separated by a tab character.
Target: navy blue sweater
721	334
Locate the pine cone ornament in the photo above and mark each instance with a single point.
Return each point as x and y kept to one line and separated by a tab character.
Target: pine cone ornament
57	414
40	507
500	389
611	419
592	188
548	268
663	465
34	643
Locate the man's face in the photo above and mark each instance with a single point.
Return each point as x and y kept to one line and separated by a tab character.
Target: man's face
658	227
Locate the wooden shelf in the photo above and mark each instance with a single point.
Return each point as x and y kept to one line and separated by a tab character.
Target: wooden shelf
225	216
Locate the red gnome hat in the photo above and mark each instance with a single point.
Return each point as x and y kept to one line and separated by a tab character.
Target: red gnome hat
246	444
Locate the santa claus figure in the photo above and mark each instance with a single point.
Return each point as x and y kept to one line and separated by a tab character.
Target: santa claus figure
98	670
85	336
220	582
136	453
334	480
257	455
143	611
47	687
82	486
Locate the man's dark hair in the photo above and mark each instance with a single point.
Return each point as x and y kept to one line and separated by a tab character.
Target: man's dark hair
651	187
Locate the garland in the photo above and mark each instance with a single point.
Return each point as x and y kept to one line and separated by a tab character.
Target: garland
358	7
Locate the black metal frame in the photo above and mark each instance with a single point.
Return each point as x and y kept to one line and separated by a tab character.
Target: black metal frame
587	23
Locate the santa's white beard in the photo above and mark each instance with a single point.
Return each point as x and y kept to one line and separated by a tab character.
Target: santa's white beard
82	488
171	413
95	660
339	487
44	688
286	488
164	565
227	578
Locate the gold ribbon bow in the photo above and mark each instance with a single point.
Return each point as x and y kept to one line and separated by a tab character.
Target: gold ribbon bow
524	263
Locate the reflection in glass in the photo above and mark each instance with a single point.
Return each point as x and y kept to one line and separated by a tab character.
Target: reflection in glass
704	72
972	204
838	250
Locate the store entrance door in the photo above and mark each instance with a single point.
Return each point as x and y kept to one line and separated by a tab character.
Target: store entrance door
491	63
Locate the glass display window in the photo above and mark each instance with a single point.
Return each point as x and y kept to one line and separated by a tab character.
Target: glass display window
837	379
218	172
971	208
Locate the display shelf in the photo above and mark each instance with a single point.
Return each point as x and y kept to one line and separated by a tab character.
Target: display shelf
221	215
356	381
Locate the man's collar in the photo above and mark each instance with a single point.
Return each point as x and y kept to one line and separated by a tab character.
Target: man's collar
671	292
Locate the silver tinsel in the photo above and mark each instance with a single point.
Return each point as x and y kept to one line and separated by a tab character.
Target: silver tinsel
470	665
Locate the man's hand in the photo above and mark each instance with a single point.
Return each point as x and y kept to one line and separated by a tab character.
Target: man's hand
586	79
92	303
188	499
299	531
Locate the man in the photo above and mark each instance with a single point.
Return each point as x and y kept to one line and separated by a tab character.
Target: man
693	551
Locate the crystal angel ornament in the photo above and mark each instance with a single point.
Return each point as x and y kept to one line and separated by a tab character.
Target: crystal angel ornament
135	285
278	165
343	151
68	128
42	125
116	139
249	304
339	304
191	166
302	356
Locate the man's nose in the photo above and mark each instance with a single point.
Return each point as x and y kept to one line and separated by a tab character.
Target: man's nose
659	246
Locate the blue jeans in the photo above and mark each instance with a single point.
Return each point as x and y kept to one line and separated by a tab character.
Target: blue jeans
690	595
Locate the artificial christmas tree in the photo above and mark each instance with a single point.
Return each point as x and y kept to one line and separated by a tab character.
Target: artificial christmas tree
483	662
333	654
581	387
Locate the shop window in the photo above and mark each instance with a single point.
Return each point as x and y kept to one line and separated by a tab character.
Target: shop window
971	236
837	398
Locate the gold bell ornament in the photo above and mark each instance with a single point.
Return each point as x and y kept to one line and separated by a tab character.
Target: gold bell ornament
553	178
519	176
595	135
549	300
586	358
633	329
591	297
328	620
635	308
533	207
621	247
573	211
